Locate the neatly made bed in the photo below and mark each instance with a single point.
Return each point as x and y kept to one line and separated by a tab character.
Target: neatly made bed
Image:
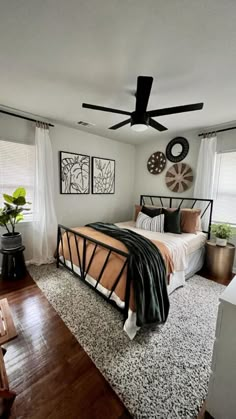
186	250
102	261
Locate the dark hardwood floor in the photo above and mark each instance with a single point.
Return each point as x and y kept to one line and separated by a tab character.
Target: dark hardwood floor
47	368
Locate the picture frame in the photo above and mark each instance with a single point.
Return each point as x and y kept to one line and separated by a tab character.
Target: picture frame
103	176
74	173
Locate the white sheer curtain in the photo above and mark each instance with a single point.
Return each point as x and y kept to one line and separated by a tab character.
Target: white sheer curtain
204	184
44	225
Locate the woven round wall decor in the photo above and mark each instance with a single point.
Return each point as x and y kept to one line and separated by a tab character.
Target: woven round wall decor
156	163
179	177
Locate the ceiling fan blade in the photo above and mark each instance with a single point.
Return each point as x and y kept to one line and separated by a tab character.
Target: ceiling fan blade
156	125
176	109
144	85
102	108
121	124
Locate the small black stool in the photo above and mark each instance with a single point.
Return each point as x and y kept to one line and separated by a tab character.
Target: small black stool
13	263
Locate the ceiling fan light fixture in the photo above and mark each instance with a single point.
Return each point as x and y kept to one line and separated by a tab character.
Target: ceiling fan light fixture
139	121
139	127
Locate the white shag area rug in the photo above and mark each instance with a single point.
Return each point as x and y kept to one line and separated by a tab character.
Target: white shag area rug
164	372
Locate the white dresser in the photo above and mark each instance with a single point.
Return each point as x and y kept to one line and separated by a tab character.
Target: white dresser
221	400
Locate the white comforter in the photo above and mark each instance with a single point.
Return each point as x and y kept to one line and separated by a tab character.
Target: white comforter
179	245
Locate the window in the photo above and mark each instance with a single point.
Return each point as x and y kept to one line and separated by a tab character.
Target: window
17	169
225	188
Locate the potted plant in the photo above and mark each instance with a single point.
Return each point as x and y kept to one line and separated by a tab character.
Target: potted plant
10	215
223	232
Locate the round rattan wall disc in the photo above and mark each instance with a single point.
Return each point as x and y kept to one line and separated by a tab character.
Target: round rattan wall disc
179	177
156	163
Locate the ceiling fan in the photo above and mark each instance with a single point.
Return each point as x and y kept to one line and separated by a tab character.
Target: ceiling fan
140	119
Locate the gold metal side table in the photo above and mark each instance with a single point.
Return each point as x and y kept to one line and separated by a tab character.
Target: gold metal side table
219	261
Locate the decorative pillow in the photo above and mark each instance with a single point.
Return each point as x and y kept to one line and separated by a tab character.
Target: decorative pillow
150	223
190	220
199	223
172	221
137	209
151	211
185	225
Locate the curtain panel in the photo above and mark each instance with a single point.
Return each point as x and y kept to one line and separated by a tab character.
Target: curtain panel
204	184
44	225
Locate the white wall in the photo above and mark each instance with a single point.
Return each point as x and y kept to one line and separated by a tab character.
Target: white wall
145	182
75	210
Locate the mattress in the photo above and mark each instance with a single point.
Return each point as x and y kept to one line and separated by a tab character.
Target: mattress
180	245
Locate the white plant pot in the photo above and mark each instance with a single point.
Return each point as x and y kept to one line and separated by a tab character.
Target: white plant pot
221	242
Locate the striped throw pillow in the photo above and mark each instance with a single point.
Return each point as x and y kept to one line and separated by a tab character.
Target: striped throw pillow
150	223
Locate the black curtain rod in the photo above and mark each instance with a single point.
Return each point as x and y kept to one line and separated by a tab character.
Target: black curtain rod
24	117
215	131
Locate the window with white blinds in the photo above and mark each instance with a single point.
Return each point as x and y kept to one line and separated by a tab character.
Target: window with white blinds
17	169
225	188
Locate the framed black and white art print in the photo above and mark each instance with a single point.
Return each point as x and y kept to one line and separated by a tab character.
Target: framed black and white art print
74	173
103	176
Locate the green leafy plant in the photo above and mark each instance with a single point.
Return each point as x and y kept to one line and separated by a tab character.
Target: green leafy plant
12	212
222	231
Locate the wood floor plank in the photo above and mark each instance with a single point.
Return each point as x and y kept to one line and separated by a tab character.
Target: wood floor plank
47	368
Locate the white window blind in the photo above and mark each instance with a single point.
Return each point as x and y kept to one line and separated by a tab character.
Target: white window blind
17	169
224	209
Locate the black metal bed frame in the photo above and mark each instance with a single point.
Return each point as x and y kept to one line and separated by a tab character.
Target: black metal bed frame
85	264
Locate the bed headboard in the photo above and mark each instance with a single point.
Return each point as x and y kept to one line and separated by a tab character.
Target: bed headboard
206	205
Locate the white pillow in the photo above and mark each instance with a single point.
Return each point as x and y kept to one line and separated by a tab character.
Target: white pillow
150	223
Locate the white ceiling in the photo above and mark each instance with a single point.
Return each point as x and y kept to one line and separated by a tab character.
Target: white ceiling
56	54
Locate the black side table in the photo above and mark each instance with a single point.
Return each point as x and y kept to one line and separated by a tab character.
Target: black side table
13	263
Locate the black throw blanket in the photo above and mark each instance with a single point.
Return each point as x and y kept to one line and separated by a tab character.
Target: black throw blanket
147	269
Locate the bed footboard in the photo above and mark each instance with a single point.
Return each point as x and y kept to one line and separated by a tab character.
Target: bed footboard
85	261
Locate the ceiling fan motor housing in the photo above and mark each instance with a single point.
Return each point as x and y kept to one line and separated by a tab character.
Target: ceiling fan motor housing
139	118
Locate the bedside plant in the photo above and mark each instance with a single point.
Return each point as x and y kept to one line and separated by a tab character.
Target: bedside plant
223	233
10	215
